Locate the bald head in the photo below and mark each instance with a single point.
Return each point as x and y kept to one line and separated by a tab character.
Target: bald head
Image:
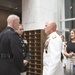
13	21
52	24
12	18
50	27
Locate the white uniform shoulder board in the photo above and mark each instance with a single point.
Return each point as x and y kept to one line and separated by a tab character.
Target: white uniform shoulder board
54	37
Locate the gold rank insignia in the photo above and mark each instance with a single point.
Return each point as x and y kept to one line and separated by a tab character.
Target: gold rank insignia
54	37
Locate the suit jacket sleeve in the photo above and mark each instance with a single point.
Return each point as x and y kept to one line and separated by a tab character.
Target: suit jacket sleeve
16	50
27	53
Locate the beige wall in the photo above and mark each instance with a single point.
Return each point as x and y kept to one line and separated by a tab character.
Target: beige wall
36	12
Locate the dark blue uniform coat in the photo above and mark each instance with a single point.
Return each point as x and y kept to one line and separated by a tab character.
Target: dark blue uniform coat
10	44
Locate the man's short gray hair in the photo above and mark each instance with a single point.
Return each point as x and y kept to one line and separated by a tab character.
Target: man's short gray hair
12	18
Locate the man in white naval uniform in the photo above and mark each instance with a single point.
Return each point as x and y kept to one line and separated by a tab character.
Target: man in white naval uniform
52	51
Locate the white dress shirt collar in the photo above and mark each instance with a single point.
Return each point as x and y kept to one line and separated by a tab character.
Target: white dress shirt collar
53	33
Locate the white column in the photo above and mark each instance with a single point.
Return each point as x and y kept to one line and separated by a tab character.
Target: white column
36	12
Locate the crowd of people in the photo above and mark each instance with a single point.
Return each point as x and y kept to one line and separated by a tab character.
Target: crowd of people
14	51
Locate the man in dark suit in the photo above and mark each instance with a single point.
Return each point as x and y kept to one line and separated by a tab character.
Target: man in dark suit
11	58
24	45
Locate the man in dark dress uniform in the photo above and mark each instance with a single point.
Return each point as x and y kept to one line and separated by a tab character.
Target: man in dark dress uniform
11	58
24	45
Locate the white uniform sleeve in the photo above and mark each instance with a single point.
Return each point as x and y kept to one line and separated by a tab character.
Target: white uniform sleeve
54	49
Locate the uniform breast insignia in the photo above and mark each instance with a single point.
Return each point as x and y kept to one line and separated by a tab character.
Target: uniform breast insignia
25	41
24	53
23	45
46	45
54	37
